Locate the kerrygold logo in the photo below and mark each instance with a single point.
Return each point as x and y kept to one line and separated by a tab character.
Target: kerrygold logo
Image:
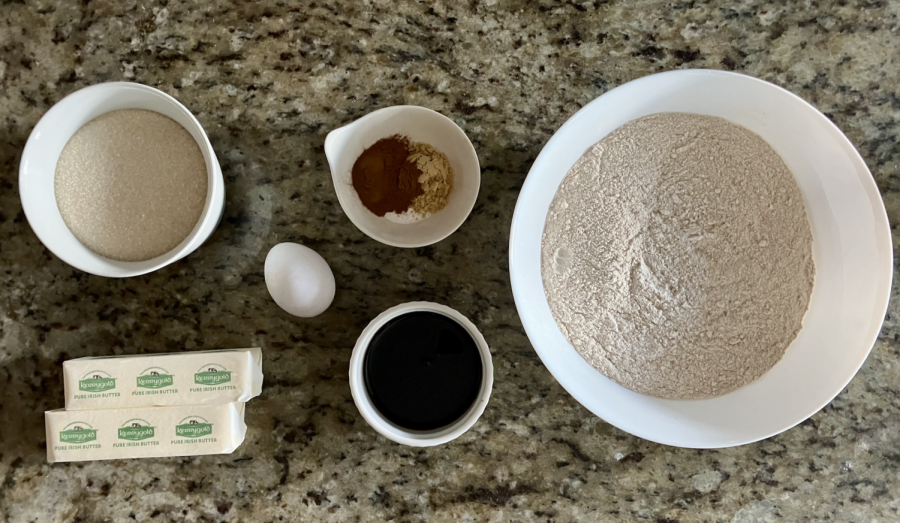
155	378
136	430
77	432
96	381
193	427
212	374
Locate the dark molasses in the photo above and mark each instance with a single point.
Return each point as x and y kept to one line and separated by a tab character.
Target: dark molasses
423	370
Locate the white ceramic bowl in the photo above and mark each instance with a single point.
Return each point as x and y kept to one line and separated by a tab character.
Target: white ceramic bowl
379	422
343	146
38	169
851	249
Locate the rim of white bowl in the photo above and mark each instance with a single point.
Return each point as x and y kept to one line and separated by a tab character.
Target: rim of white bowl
393	432
883	232
209	218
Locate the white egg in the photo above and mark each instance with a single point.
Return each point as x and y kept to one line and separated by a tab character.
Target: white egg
299	280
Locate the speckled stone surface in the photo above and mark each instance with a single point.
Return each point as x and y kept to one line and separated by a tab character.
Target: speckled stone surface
268	80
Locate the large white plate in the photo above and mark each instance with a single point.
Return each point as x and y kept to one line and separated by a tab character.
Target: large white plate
851	249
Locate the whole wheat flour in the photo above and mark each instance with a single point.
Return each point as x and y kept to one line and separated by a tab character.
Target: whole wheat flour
677	256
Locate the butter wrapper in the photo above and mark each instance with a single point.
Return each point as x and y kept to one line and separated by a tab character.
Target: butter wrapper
149	432
181	378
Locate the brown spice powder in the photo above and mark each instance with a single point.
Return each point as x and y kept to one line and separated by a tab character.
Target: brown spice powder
384	177
436	179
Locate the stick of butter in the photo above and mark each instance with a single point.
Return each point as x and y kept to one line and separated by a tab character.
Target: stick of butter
149	432
180	378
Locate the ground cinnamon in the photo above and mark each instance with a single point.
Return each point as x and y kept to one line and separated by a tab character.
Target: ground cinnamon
384	177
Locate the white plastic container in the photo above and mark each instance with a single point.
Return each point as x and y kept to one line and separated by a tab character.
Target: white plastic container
343	146
399	434
38	169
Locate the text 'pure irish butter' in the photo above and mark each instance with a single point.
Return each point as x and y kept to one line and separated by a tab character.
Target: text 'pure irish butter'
183	378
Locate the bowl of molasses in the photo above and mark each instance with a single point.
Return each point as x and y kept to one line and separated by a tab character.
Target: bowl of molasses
421	374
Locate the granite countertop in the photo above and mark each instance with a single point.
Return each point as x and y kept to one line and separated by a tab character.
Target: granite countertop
268	80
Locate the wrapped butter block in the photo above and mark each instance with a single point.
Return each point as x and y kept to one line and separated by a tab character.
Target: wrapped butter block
180	378
149	432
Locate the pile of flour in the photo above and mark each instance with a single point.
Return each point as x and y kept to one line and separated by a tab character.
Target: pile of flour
677	256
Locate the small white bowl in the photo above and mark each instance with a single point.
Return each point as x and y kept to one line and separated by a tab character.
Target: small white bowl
379	422
343	146
38	169
851	249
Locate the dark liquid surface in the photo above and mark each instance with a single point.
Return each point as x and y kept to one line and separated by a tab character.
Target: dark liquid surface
423	370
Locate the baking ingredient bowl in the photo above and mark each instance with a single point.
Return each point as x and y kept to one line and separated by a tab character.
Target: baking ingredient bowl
343	146
384	426
38	169
851	250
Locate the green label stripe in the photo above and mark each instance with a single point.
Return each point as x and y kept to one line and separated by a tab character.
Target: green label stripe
193	430
97	385
136	433
157	381
78	436
212	378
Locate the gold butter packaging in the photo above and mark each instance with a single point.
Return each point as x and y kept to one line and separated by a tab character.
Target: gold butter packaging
182	378
189	430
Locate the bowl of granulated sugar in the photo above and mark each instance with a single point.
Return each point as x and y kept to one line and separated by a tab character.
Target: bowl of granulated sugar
119	179
701	258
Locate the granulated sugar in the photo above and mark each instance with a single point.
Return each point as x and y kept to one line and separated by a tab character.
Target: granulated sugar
677	256
131	184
